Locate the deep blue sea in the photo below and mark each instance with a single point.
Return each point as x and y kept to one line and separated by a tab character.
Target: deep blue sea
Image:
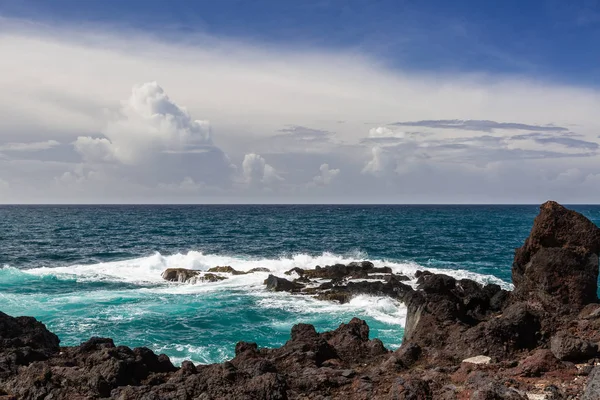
96	270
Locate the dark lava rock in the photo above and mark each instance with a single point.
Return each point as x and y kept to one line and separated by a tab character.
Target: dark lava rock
410	389
570	348
351	342
497	391
540	362
258	269
212	278
340	271
179	274
281	285
227	270
24	340
443	309
296	270
558	264
592	389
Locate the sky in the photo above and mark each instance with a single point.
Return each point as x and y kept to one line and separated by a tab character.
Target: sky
313	101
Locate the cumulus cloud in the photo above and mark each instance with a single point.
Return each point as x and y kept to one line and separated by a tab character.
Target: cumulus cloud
380	163
150	142
256	170
385	132
32	146
147	123
326	175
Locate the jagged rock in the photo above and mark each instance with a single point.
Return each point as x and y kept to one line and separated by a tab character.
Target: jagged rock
295	270
258	269
404	357
211	278
497	391
351	341
570	348
227	270
592	388
444	311
340	271
182	275
558	264
541	361
281	285
410	389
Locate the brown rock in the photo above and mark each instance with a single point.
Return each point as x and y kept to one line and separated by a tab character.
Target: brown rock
558	264
226	270
180	275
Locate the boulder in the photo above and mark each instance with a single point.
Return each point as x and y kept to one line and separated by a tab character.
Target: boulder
226	270
182	275
277	284
208	277
497	391
592	388
538	363
557	265
258	269
567	347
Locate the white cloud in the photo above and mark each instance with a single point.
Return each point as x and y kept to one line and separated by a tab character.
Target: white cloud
148	122
385	132
326	175
381	162
256	170
32	146
297	108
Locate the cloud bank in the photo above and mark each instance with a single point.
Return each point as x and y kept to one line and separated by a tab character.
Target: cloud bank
101	115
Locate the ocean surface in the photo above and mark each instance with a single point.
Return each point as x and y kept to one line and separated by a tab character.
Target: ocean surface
96	270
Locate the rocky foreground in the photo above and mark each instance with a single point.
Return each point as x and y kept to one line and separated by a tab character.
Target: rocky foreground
462	340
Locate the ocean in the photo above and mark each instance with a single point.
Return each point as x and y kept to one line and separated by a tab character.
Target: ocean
96	270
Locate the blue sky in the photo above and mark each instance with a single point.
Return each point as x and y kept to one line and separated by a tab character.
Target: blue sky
306	101
549	39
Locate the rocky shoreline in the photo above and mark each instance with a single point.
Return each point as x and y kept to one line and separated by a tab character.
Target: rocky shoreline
462	340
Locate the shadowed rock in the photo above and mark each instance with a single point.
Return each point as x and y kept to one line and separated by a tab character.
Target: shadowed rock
281	285
558	264
180	275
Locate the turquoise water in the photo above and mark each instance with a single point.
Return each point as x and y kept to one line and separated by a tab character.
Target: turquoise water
95	270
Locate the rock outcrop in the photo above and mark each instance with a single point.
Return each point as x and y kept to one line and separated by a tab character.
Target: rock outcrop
462	340
182	275
558	264
214	274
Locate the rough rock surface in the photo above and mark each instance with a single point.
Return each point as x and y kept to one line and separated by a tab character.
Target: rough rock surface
192	276
179	274
538	342
558	264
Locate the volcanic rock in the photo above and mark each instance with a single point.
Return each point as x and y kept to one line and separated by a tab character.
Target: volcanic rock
182	275
558	264
226	269
570	348
592	389
211	278
277	284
